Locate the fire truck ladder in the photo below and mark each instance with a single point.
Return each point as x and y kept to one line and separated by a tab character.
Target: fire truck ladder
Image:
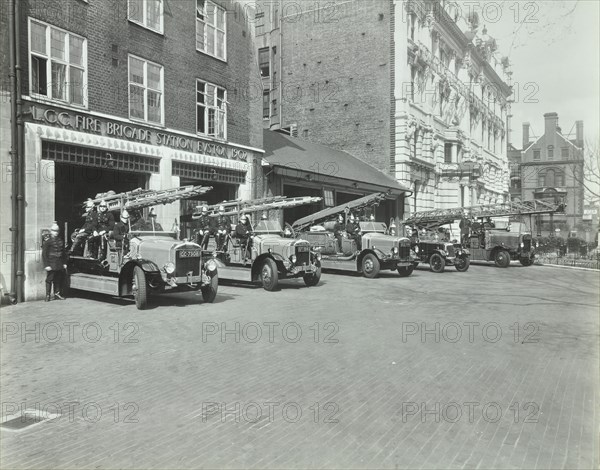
140	198
237	207
326	214
436	218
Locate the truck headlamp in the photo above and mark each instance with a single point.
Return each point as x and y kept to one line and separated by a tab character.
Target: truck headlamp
395	250
416	249
318	256
522	245
169	268
210	265
293	258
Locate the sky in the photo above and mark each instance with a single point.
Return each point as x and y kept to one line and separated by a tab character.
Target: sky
553	47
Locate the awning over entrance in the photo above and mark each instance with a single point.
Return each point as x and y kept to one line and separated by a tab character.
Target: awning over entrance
298	157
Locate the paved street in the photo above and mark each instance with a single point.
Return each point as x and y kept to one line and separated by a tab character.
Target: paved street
493	368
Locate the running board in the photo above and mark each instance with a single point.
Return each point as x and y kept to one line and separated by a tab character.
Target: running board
94	283
235	273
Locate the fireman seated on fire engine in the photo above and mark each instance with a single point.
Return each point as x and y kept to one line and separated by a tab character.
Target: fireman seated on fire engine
106	222
117	237
140	224
202	227
243	232
87	232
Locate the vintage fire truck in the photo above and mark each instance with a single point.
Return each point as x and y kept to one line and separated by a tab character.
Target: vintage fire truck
269	254
381	248
487	237
149	261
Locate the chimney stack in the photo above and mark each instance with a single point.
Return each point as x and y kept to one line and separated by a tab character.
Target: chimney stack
579	133
551	125
525	135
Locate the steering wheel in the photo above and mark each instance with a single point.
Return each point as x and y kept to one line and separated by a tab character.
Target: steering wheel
291	229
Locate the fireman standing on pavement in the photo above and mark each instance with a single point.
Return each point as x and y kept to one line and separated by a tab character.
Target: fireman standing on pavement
54	259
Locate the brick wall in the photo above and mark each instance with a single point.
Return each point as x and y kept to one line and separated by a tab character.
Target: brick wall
337	78
111	36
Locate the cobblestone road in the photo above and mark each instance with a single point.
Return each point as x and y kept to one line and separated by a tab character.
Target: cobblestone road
493	368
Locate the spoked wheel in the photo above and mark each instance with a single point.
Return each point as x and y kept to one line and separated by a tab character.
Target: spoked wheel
139	288
209	291
462	263
269	275
313	279
370	266
405	271
437	263
502	259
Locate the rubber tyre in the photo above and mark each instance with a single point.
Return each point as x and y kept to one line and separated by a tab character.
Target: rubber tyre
405	271
370	266
139	288
269	276
209	291
462	263
313	279
502	259
437	263
526	261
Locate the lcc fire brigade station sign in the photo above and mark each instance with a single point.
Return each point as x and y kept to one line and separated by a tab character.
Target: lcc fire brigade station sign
108	128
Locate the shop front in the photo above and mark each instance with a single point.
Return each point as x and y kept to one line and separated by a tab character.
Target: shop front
72	156
293	167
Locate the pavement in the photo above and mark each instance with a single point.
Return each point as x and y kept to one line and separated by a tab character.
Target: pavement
492	368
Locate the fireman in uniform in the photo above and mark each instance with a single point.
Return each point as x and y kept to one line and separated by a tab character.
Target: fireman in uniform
87	232
54	259
338	231
353	231
221	229
203	229
106	222
243	231
120	231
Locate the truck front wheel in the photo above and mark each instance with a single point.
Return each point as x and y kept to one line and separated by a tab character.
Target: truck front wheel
437	263
209	291
370	266
269	275
139	288
502	259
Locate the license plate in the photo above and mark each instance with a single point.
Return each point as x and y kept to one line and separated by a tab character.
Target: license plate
189	253
302	249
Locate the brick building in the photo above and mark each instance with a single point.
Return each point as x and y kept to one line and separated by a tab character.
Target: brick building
121	94
551	167
414	88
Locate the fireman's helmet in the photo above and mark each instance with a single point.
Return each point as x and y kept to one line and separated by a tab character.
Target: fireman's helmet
103	205
124	215
204	209
89	204
221	209
54	227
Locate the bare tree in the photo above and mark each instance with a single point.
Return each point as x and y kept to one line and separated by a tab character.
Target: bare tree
588	174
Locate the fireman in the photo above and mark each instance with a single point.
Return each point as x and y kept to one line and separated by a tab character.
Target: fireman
54	259
243	232
338	231
221	229
106	222
88	231
202	230
120	231
353	231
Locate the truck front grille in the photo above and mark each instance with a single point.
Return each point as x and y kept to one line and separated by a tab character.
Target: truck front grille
450	250
404	250
184	265
302	255
526	244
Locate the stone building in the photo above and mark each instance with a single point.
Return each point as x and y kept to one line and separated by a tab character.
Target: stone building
414	88
118	95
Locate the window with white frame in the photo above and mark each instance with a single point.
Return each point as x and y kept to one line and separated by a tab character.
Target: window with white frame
211	29
147	13
211	110
146	89
57	64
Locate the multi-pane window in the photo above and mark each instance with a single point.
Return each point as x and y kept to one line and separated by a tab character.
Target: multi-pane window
274	108
447	153
146	90
550	152
536	155
211	29
328	197
564	153
148	13
263	62
211	110
58	63
266	95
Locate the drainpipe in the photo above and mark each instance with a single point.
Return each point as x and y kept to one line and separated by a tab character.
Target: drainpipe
13	150
20	160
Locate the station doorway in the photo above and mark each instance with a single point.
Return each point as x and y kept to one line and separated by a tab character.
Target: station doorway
74	184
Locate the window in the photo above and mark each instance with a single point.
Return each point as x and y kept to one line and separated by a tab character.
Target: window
58	64
413	76
564	153
274	108
211	110
266	94
211	27
274	80
536	155
412	20
145	90
263	62
147	13
447	153
550	152
559	179
550	180
541	180
328	197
